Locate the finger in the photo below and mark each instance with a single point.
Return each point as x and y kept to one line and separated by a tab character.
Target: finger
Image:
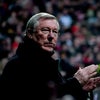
97	79
92	74
91	69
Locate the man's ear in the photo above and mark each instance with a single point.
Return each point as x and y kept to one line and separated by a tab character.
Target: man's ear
29	35
29	30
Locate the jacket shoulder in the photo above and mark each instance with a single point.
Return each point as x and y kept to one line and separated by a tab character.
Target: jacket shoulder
10	68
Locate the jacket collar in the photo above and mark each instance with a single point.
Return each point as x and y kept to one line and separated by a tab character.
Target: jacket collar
30	48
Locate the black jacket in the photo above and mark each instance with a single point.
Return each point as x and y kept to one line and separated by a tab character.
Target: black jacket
35	74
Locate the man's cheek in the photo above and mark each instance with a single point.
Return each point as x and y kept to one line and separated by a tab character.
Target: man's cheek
41	37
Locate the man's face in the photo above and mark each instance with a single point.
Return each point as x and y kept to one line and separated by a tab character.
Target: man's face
46	34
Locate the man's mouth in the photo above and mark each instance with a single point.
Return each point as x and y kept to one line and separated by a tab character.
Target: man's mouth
49	45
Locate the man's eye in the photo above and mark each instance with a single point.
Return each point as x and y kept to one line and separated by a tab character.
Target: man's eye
55	32
45	30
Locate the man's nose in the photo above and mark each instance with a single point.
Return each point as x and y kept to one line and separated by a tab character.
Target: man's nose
50	36
50	39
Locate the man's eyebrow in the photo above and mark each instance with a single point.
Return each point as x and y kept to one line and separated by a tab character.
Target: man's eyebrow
49	28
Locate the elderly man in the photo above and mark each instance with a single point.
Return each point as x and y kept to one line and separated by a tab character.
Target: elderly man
33	72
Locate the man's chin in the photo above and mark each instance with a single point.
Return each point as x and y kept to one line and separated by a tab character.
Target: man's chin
48	49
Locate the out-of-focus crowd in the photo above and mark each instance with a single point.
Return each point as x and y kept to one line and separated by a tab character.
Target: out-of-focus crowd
79	40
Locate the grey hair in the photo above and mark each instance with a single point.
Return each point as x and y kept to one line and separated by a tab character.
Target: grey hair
34	21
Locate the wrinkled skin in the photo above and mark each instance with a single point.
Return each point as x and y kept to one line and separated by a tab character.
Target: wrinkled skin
91	84
86	77
46	39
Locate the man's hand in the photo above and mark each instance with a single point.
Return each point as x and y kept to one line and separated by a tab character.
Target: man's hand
91	84
84	74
